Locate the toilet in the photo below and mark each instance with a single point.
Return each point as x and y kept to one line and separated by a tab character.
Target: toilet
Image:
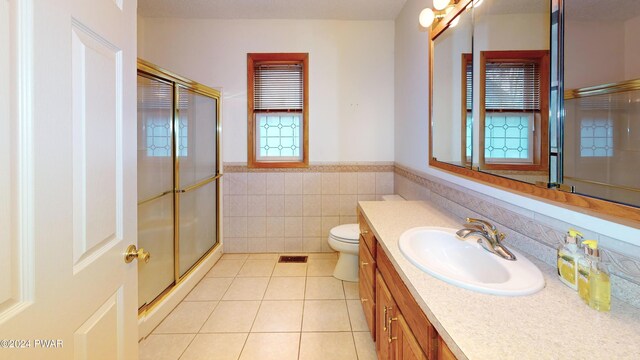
345	239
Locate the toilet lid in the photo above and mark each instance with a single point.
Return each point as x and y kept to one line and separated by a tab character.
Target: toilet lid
347	232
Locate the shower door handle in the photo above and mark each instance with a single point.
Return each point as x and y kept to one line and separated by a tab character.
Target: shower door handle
135	253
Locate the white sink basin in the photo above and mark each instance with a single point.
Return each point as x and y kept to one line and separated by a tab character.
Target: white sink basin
464	263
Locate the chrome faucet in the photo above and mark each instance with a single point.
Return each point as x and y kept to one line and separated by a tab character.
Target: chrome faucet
489	237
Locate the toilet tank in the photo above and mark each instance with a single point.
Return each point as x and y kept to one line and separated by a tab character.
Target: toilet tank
392	198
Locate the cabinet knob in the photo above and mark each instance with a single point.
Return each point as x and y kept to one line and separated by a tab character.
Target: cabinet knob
365	232
363	300
363	264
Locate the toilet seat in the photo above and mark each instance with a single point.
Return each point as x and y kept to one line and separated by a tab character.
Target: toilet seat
348	233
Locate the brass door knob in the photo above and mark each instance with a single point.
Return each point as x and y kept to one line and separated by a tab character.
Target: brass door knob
135	253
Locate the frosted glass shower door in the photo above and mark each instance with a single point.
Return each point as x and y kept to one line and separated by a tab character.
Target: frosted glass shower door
155	187
196	138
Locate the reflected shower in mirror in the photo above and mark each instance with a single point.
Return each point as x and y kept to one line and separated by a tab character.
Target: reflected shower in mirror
451	102
511	88
602	99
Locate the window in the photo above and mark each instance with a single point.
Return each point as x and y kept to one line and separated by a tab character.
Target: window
467	107
596	138
514	110
277	96
158	133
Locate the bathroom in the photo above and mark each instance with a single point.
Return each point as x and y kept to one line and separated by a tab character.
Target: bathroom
377	85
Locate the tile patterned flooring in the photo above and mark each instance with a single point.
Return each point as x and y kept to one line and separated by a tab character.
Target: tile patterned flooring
251	307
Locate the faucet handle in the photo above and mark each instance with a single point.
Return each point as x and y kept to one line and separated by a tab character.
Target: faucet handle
486	226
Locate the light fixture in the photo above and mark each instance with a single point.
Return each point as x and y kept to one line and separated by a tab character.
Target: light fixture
440	4
426	17
442	8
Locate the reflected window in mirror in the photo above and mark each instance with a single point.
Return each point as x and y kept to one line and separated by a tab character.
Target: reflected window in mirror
514	110
467	108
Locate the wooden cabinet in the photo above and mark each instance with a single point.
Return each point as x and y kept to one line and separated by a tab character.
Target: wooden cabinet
367	274
407	347
444	353
398	325
386	313
394	339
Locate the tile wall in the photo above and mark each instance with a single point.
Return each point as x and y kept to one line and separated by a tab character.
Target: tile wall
529	231
292	211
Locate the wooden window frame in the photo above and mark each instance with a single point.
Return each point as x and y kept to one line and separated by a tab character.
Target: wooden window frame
541	123
281	58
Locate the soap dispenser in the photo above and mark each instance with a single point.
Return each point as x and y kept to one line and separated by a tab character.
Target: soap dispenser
568	255
584	268
599	281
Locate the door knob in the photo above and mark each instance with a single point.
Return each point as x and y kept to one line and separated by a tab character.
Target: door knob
134	253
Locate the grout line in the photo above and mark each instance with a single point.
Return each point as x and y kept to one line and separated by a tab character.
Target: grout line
189	344
304	301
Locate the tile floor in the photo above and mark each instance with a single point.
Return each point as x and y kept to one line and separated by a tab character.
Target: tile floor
251	307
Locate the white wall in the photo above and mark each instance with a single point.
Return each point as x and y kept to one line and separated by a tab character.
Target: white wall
411	87
632	48
594	53
412	136
351	76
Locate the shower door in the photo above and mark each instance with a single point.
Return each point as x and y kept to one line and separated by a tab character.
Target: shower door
196	176
178	175
155	187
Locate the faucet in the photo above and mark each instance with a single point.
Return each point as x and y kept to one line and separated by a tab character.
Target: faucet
489	237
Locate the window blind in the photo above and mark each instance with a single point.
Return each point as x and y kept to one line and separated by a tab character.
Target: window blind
278	87
469	79
512	85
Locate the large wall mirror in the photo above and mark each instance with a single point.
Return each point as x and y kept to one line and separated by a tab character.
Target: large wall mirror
602	99
541	96
452	99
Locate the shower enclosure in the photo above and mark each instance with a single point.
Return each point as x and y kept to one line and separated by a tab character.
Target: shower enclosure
178	178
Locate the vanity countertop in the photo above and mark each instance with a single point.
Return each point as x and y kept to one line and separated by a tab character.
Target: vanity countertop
551	324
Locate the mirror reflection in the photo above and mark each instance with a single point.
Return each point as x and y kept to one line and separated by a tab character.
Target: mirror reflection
511	56
451	106
602	99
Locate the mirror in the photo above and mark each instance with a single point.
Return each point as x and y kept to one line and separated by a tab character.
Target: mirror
451	101
511	88
601	153
555	100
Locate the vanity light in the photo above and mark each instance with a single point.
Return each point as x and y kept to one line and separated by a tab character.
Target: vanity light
426	17
442	7
440	4
454	22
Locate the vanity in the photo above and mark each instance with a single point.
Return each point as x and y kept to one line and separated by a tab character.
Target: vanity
413	315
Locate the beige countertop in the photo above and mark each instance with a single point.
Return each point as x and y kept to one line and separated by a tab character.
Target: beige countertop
551	324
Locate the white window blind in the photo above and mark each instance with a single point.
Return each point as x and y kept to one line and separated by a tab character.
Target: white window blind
278	87
469	87
512	85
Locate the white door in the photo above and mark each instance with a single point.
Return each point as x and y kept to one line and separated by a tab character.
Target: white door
67	179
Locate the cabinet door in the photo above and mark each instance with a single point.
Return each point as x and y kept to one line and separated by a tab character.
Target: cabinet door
367	275
385	315
407	347
444	353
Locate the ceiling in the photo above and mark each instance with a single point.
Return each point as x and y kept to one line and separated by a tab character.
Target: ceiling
272	9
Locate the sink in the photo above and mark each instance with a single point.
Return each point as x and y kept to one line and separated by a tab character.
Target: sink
464	263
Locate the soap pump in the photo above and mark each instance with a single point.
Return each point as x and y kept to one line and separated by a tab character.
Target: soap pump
568	256
584	268
599	280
